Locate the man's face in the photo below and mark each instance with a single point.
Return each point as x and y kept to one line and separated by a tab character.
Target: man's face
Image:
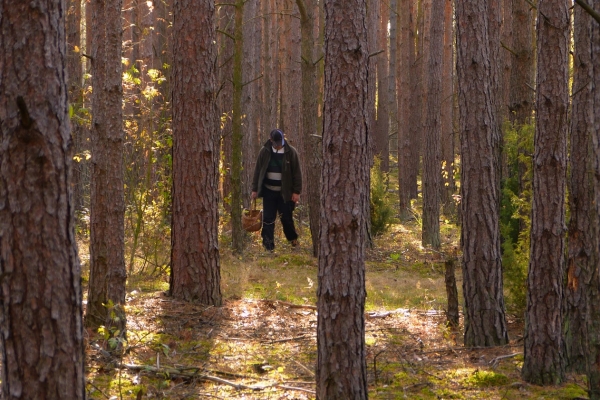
276	146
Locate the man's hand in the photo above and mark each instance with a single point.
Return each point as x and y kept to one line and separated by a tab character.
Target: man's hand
254	195
295	197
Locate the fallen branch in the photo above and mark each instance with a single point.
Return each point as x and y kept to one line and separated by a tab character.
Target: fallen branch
290	305
285	339
180	372
494	362
384	314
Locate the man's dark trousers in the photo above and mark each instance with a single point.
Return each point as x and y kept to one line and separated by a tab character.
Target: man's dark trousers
274	204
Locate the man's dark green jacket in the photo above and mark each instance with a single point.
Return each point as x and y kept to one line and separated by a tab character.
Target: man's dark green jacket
291	175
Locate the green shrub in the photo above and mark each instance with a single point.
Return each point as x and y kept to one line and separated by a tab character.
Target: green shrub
515	213
382	210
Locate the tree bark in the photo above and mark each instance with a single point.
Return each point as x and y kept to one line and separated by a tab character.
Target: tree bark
544	362
416	102
447	141
341	363
452	315
195	263
237	233
406	50
382	141
382	127
433	125
41	316
522	69
106	295
312	143
594	293
582	250
485	321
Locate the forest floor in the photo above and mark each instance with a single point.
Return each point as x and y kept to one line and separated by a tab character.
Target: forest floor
261	344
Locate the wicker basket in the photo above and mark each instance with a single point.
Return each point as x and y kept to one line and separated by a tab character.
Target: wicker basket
252	219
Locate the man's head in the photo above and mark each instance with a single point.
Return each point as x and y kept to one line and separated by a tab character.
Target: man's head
277	138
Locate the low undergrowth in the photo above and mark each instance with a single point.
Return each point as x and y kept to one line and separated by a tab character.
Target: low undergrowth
261	344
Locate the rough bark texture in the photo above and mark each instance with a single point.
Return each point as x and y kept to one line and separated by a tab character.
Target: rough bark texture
382	126
75	76
224	99
382	140
195	265
406	50
544	362
250	99
311	142
505	55
237	233
582	229
107	258
593	316
452	314
447	140
40	317
522	67
485	321
341	363
433	126
416	101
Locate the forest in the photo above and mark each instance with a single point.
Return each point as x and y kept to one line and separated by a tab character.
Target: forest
448	219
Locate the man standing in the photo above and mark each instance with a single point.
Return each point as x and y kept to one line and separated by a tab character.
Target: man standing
278	180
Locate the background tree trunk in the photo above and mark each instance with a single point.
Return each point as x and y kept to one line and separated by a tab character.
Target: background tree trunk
594	293
485	321
448	186
312	144
382	127
433	125
341	364
41	316
75	82
544	345
106	295
406	51
582	256
195	265
522	66
416	102
237	233
226	19
382	141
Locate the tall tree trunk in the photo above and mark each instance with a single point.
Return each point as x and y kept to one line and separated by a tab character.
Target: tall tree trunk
373	27
106	296
41	316
195	261
311	142
416	102
433	125
485	321
75	77
447	140
382	142
341	363
505	58
237	233
250	139
382	127
406	50
582	259
544	362
593	316
226	16
522	68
